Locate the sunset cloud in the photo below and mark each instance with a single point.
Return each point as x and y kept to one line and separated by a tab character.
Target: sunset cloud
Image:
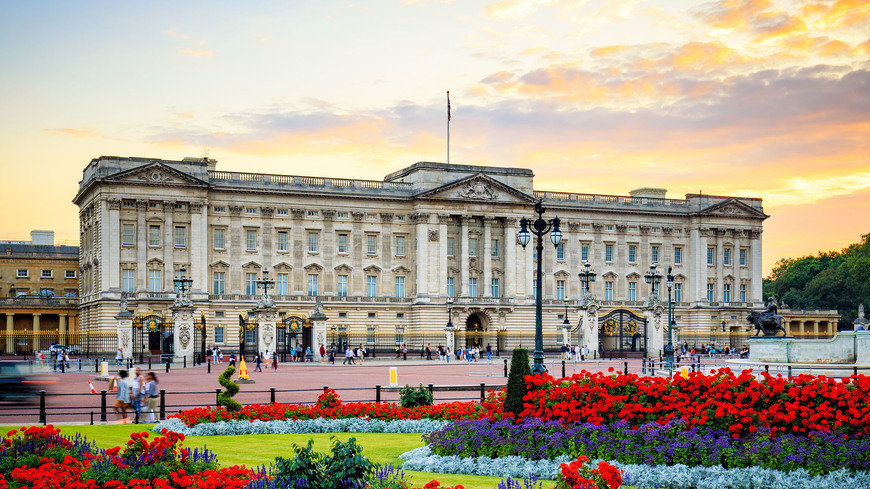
78	133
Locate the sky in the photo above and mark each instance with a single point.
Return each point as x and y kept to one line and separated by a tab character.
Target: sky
755	98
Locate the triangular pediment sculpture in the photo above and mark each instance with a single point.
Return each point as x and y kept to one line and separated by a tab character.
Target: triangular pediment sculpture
477	187
156	173
733	208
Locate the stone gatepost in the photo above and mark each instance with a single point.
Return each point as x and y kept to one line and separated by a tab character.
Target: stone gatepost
318	329
589	325
656	329
267	321
182	338
125	328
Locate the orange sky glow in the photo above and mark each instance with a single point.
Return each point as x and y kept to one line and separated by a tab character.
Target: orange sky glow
756	98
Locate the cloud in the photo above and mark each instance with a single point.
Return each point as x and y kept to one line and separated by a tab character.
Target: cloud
608	50
513	9
78	133
196	53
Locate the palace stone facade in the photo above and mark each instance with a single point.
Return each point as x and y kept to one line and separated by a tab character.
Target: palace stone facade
383	256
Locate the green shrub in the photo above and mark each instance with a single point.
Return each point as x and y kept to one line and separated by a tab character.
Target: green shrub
225	398
410	397
516	386
345	468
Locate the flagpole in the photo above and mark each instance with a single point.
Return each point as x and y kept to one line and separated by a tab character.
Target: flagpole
448	127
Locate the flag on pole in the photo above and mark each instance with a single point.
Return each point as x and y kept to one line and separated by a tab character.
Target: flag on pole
448	105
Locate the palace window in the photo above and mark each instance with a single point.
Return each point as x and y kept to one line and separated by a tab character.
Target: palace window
608	290
218	334
560	290
451	289
70	274
632	253
472	287
282	282
180	237
400	286
472	247
493	252
400	246
371	244
47	274
283	241
251	239
128	235
678	292
371	286
608	253
560	252
154	236
342	243
312	284
632	291
726	292
251	283
342	286
220	283
711	292
220	236
584	252
312	242
128	280
250	210
282	212
155	282
726	257
742	257
711	255
678	255
494	287
451	243
742	292
655	254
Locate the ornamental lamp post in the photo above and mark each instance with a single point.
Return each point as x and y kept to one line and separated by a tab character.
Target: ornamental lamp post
183	284
265	282
587	274
669	348
566	324
449	313
540	227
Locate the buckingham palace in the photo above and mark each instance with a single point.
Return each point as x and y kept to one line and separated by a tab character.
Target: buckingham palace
392	261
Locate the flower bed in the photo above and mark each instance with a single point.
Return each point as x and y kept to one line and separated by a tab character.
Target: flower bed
369	410
740	404
639	475
319	425
652	444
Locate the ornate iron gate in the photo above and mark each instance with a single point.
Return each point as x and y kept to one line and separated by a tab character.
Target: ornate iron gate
249	336
199	336
152	333
622	332
293	331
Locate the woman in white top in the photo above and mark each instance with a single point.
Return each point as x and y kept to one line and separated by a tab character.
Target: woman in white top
151	393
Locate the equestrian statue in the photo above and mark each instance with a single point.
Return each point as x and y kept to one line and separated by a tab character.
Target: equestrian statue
767	322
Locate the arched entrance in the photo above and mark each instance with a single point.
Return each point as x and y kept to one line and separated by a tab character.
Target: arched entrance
475	329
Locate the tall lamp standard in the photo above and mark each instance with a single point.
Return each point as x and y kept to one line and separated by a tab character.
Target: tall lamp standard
669	348
540	227
566	324
586	275
265	282
450	314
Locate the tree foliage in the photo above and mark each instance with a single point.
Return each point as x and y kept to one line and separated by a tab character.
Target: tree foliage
829	280
516	385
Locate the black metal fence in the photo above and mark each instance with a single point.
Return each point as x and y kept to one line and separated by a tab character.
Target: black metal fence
98	408
29	344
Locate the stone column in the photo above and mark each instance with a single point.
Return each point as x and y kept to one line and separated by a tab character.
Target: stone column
720	267
656	317
168	245
10	333
434	264
268	236
141	245
802	330
450	338
357	278
487	255
815	330
463	256
113	242
199	248
697	286
421	252
510	258
236	243
443	219
735	262
182	339
36	339
125	332
267	320
755	265
318	329
61	329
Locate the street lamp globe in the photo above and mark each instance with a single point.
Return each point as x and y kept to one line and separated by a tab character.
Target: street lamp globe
523	237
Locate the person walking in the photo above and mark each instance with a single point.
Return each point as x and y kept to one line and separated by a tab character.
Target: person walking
404	351
428	352
119	357
322	353
348	356
488	351
151	393
122	400
258	361
232	360
136	385
332	356
275	363
447	354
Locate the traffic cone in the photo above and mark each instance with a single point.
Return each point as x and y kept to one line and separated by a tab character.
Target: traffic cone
93	391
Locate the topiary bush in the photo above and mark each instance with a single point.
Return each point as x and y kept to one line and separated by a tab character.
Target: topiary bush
225	398
516	385
410	397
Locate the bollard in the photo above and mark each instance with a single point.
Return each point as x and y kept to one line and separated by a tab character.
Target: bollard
62	366
97	367
162	404
563	369
42	407
103	406
483	391
432	390
767	368
185	361
325	388
217	394
92	418
149	363
209	365
80	364
167	365
271	395
854	370
505	368
378	393
625	368
789	370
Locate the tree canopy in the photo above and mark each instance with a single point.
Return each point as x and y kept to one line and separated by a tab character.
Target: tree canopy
829	280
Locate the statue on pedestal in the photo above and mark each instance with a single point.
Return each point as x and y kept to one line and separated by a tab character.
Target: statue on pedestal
767	322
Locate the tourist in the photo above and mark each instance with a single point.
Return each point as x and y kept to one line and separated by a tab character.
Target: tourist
232	360
136	385
447	354
398	352
122	400
119	357
308	354
267	358
578	353
428	352
275	363
348	356
151	393
562	350
332	355
258	360
488	351
322	353
404	351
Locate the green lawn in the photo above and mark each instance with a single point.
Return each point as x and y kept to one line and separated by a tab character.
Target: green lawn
255	450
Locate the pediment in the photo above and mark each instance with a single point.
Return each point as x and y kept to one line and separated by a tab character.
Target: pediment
561	274
156	174
343	268
283	266
155	262
633	276
477	188
220	264
313	267
679	277
610	275
372	269
400	270
252	265
733	208
453	271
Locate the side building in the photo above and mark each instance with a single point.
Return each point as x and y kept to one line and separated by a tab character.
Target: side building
384	256
39	289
